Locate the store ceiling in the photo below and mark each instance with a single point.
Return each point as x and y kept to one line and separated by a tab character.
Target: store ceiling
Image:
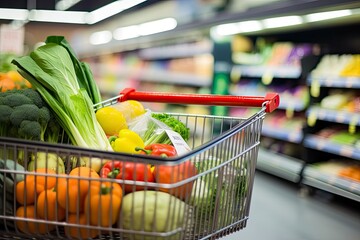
80	5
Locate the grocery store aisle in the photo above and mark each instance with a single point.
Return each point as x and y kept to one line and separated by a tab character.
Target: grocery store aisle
278	212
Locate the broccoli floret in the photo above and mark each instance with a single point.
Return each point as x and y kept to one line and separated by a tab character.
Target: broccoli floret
20	107
24	112
30	130
16	99
5	112
34	96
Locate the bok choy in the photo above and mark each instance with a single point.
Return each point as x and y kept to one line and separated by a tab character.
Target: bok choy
52	72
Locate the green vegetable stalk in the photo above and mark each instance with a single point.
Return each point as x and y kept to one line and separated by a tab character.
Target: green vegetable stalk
51	70
151	136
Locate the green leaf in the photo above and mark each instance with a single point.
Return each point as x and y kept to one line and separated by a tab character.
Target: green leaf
82	70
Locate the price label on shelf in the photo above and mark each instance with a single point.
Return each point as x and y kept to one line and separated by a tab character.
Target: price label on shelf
352	124
312	117
290	108
267	77
315	88
346	151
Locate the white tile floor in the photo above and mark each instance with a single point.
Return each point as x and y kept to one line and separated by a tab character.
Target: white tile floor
279	212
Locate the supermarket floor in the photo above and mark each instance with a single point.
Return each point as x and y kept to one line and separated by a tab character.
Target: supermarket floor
279	212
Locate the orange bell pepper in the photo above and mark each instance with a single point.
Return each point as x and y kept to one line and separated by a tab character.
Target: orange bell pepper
48	208
79	232
72	192
29	211
102	204
34	184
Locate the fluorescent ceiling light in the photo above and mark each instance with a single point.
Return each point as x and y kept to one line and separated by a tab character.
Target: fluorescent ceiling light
65	4
145	29
101	37
250	26
57	16
282	21
111	9
14	14
314	17
240	27
157	26
126	32
226	29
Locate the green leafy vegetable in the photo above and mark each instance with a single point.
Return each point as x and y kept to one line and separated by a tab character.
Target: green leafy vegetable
51	70
83	72
152	135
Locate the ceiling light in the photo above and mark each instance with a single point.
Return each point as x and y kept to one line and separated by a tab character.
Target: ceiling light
282	21
314	17
144	29
250	26
14	14
110	10
226	29
126	32
57	16
240	27
65	4
157	26
101	37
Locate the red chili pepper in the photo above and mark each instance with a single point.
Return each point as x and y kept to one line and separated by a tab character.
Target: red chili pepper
159	149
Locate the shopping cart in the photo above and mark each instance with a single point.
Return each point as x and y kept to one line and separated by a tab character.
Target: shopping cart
211	202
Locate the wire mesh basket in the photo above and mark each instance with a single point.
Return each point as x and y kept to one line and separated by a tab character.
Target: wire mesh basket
206	192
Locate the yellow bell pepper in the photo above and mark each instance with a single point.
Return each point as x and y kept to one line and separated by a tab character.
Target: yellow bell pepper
127	141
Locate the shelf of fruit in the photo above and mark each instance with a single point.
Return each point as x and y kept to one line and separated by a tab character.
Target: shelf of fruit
337	177
290	131
260	71
335	81
176	51
279	164
337	71
333	115
333	146
292	99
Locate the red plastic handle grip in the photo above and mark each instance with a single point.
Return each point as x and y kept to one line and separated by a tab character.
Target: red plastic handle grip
271	100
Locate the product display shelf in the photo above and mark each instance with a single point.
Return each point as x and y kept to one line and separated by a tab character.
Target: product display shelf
258	79
331	183
164	76
294	135
177	51
334	81
336	116
279	165
261	71
329	146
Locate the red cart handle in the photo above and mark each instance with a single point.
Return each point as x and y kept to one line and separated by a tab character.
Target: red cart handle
271	100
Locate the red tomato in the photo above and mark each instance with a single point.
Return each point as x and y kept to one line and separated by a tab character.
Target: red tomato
174	174
135	171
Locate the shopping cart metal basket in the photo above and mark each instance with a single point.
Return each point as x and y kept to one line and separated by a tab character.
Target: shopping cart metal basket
211	202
